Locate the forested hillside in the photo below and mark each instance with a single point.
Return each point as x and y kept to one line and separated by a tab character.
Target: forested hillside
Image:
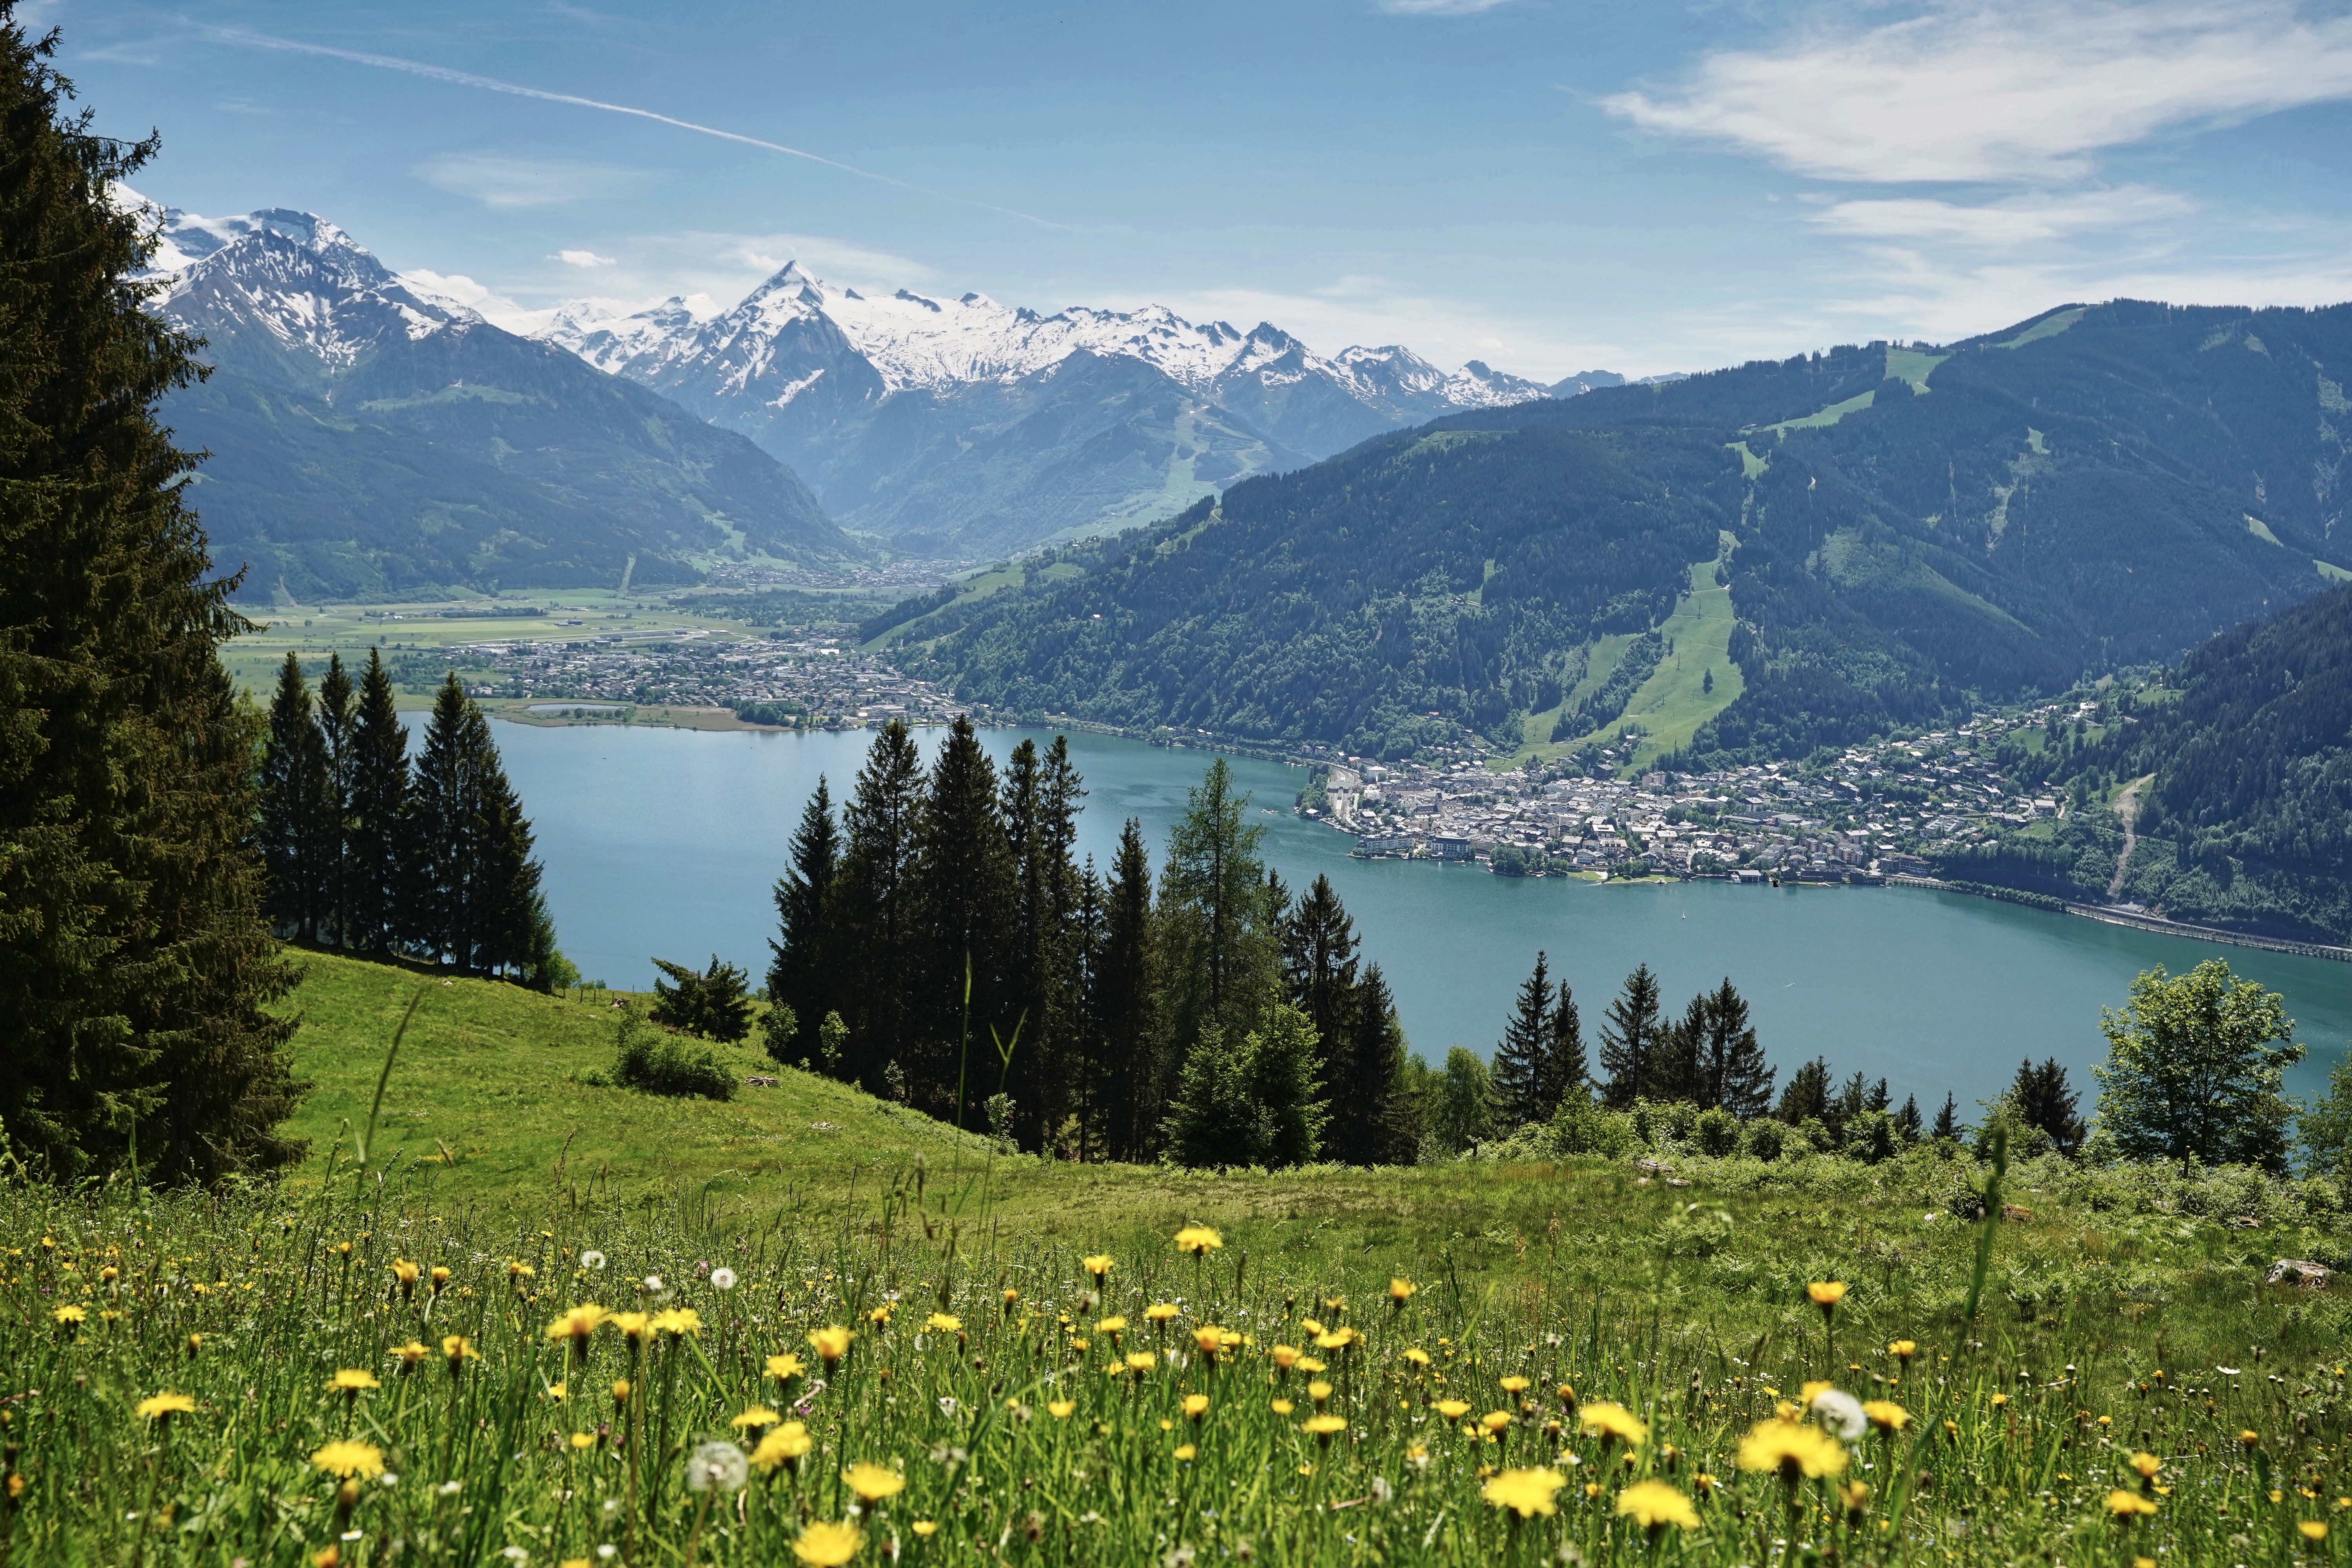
2246	817
1915	532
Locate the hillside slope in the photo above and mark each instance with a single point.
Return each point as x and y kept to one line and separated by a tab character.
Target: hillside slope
1914	532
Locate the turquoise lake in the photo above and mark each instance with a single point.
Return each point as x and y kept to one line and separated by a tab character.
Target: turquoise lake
668	842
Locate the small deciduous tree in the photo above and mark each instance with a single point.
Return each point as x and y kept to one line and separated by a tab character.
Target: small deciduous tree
2194	1067
1463	1111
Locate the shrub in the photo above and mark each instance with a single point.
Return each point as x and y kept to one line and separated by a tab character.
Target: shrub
1766	1138
660	1063
1716	1133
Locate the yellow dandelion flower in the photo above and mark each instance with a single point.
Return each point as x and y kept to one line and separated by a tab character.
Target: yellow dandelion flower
1336	1338
350	1379
1097	1265
165	1405
347	1460
1196	1405
1140	1361
1791	1450
1160	1311
1060	1409
1209	1340
784	1446
2147	1465
1826	1293
1401	1290
577	1325
677	1322
925	1527
1494	1420
1653	1505
753	1419
831	1343
1323	1428
457	1348
1285	1356
2313	1529
1112	1326
1612	1423
1198	1239
634	1326
411	1353
68	1315
1308	1363
1284	1407
1186	1453
2123	1505
1418	1356
1452	1409
872	1483
1885	1415
824	1544
1318	1391
1527	1493
1513	1383
944	1323
1902	1350
784	1368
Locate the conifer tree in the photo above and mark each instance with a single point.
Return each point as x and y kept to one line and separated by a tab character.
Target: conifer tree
1676	1070
136	963
1223	950
474	900
294	805
1908	1119
1520	1059
1631	1039
377	805
963	886
1947	1121
1282	1056
1733	1073
2045	1100
434	859
1214	1117
1126	993
800	970
337	719
1565	1071
1386	1123
1807	1096
877	905
1319	978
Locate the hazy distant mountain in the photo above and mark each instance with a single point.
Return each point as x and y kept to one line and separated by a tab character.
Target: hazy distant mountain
369	439
931	419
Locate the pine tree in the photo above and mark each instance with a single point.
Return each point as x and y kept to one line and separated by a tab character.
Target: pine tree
1319	978
2045	1100
1676	1069
505	907
136	963
1947	1121
294	805
1283	1055
1631	1039
1384	1125
1126	995
1739	1079
1223	951
1215	1117
1807	1096
963	899
1564	1067
337	719
377	803
877	906
1521	1057
800	971
437	872
473	893
1908	1119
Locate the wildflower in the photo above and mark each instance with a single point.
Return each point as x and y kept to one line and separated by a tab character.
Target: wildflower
1855	1495
1196	1405
784	1368
880	1316
620	1391
1114	1327
1494	1420
579	1325
716	1466
164	1406
1400	1292
1417	1455
68	1317
756	1419
1098	1265
1323	1428
1791	1450
2147	1465
824	1544
1285	1357
1839	1412
558	1392
350	1459
785	1445
1827	1293
925	1527
634	1326
592	1259
1158	1312
583	1439
1653	1505
1885	1415
2124	1506
405	1273
1198	1239
1614	1423
1418	1356
1525	1493
350	1379
831	1343
1284	1407
1209	1340
1186	1453
1060	1409
1140	1361
873	1483
944	1323
652	1285
2313	1529
440	1278
1318	1391
410	1354
1336	1338
1452	1409
722	1278
1308	1363
677	1322
1903	1349
2250	1439
1513	1383
457	1349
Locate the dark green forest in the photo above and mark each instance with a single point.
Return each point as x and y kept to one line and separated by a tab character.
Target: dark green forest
2003	519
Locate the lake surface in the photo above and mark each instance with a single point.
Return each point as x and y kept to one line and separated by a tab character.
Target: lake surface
669	841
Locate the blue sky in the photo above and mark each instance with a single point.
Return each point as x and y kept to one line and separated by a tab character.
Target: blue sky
1547	186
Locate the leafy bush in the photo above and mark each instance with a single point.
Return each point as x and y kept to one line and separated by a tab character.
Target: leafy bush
658	1062
1716	1133
1766	1138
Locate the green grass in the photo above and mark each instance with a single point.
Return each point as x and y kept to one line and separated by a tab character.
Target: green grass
1751	467
2331	572
1828	416
2261	531
2122	1311
2049	326
1913	365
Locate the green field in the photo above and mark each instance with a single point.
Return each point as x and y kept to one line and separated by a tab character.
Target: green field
1365	1367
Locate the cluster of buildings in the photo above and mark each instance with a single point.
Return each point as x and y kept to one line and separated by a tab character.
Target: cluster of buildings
1879	810
803	681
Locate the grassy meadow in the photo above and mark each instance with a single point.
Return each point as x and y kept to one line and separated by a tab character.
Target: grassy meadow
631	1356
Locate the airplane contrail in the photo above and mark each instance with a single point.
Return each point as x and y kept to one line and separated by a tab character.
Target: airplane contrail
242	36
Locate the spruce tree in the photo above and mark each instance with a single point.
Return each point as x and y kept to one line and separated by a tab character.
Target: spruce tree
1908	1120
1807	1096
878	906
2045	1100
474	900
1319	978
1947	1121
1631	1039
136	963
505	907
337	719
800	970
1676	1070
437	870
1126	993
1520	1058
963	895
1282	1056
1387	1125
1223	951
1565	1071
1214	1117
377	803
1738	1077
294	805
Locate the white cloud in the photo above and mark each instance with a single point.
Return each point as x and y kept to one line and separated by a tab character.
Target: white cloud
1436	7
459	290
500	180
583	258
1999	90
2009	223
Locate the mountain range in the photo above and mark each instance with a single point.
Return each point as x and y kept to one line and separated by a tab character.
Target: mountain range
1791	553
957	424
367	439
